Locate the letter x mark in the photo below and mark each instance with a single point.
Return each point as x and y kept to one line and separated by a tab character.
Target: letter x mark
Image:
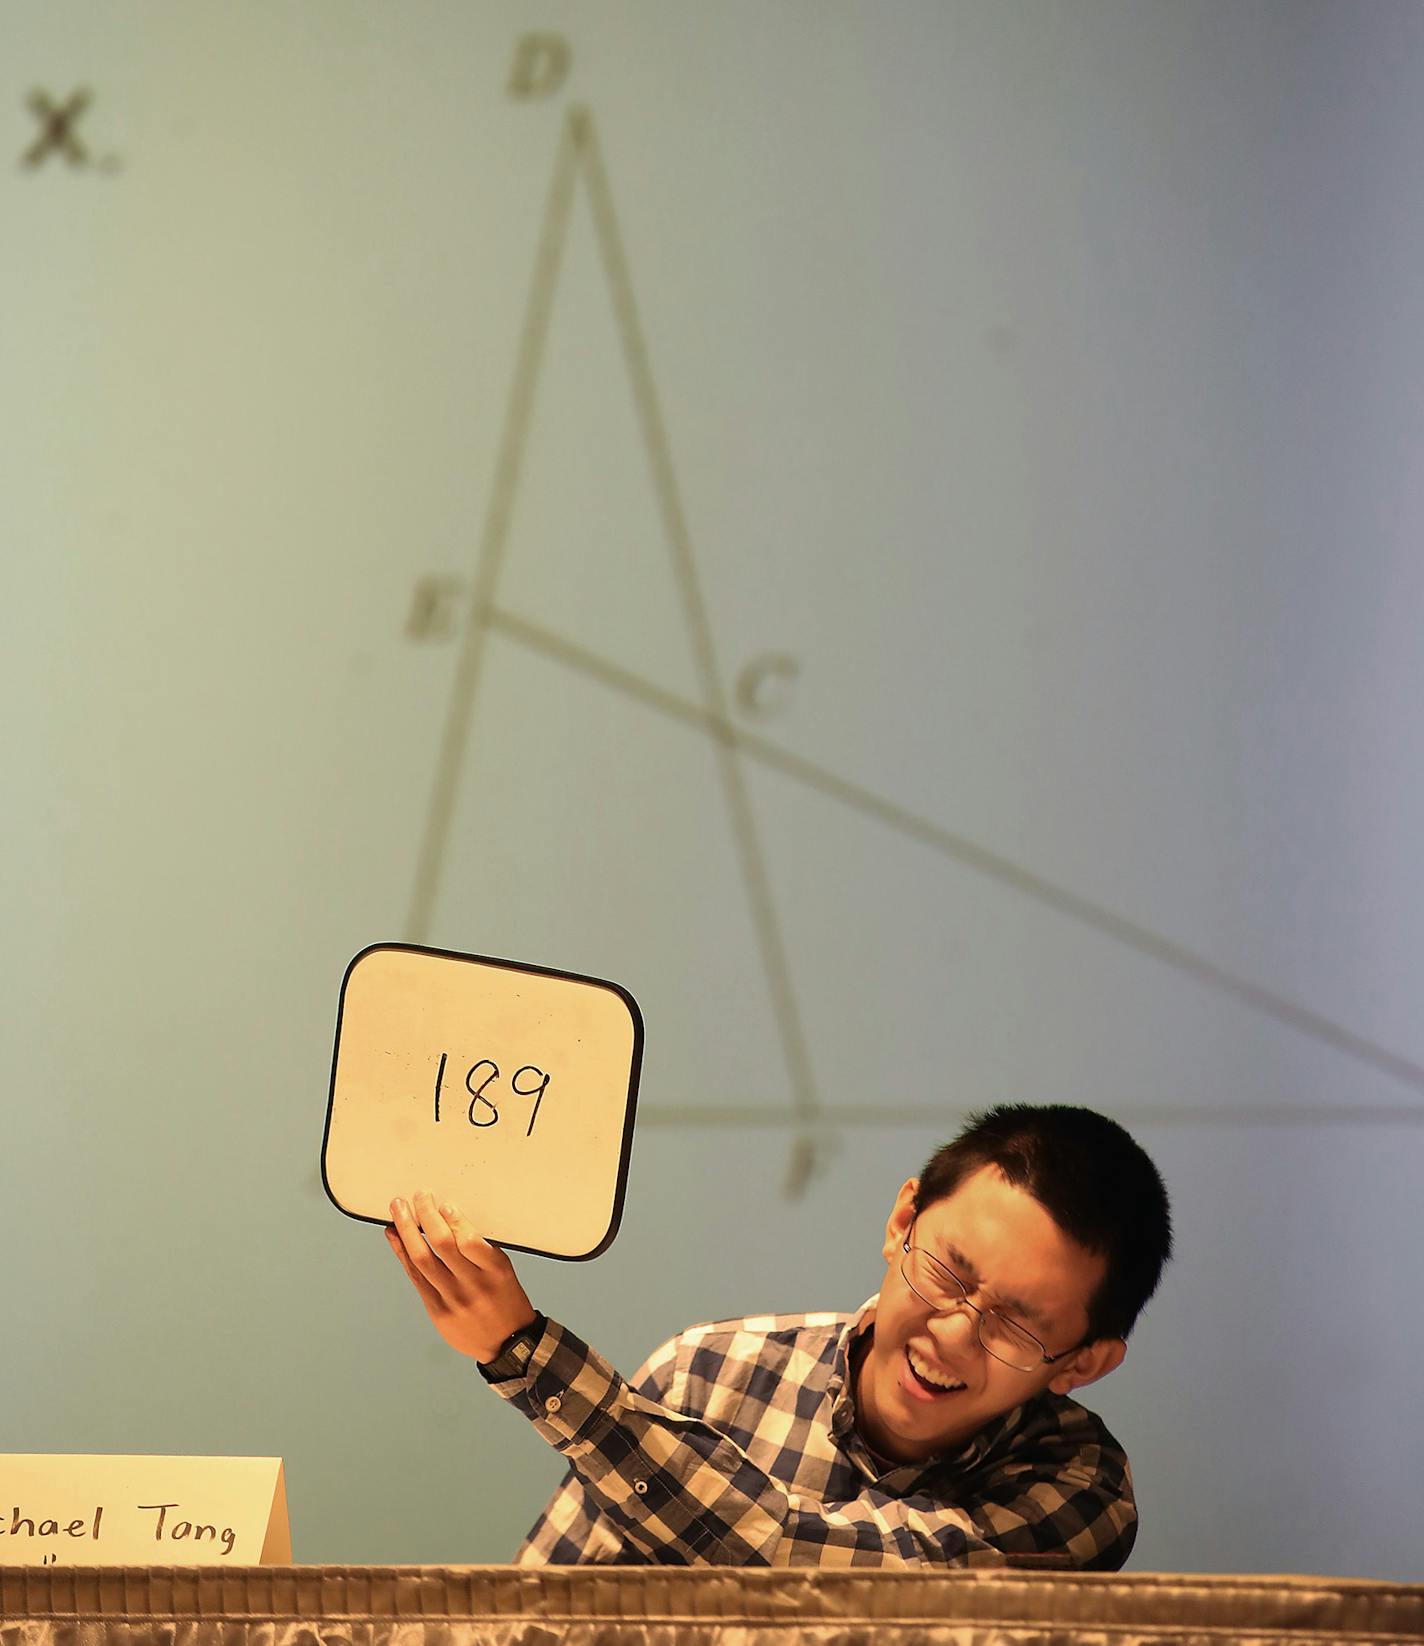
57	121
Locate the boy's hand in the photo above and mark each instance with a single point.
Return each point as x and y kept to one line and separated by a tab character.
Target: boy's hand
469	1288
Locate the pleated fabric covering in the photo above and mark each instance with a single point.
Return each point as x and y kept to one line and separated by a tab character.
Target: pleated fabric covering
640	1606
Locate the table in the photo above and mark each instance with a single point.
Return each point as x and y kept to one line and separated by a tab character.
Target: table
657	1606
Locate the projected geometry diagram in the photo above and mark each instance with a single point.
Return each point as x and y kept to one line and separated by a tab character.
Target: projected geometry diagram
665	669
579	160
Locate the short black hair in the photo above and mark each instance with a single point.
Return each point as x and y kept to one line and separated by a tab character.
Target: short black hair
1092	1178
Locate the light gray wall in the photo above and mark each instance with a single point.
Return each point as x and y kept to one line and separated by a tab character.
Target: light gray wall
1039	389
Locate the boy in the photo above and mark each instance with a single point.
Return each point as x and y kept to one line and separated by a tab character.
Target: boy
934	1425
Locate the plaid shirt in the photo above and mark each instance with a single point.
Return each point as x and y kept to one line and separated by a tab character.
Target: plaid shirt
736	1445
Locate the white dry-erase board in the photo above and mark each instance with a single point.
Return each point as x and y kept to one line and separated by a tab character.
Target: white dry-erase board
505	1088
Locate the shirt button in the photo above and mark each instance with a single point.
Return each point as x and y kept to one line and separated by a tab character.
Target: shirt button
552	1404
641	1487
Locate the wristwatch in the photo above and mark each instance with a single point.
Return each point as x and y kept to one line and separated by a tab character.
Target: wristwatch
514	1353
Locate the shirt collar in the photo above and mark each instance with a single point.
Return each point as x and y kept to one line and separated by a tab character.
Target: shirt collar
840	1387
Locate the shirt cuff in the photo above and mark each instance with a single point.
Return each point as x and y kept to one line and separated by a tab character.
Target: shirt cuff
566	1389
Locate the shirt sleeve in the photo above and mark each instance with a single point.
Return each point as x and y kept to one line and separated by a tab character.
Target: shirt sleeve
649	1483
572	1529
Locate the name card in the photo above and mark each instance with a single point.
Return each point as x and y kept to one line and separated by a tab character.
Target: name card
504	1088
70	1510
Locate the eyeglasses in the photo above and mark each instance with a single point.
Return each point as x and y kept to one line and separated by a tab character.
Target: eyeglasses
999	1336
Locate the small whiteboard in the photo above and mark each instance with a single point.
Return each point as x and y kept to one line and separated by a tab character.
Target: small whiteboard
506	1089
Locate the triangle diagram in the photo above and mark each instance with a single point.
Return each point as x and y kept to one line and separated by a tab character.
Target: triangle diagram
588	789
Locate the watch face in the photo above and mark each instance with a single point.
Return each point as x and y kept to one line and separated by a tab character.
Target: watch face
506	1089
515	1352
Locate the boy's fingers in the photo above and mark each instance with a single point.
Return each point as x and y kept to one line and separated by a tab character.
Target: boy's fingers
427	1214
417	1248
471	1244
428	1295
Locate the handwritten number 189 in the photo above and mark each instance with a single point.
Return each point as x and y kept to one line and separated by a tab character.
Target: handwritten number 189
483	1110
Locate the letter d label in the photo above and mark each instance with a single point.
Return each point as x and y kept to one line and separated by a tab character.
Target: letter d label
541	65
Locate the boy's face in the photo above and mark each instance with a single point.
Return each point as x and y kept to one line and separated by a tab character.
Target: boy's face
1014	1257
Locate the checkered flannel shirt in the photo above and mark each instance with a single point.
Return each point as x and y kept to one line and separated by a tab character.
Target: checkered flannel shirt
735	1444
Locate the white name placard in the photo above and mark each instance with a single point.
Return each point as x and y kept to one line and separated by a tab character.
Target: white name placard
73	1510
505	1088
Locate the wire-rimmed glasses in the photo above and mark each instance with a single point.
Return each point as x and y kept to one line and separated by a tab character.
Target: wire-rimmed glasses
943	1290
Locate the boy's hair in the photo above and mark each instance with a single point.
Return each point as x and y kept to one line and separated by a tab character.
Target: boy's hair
1091	1177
